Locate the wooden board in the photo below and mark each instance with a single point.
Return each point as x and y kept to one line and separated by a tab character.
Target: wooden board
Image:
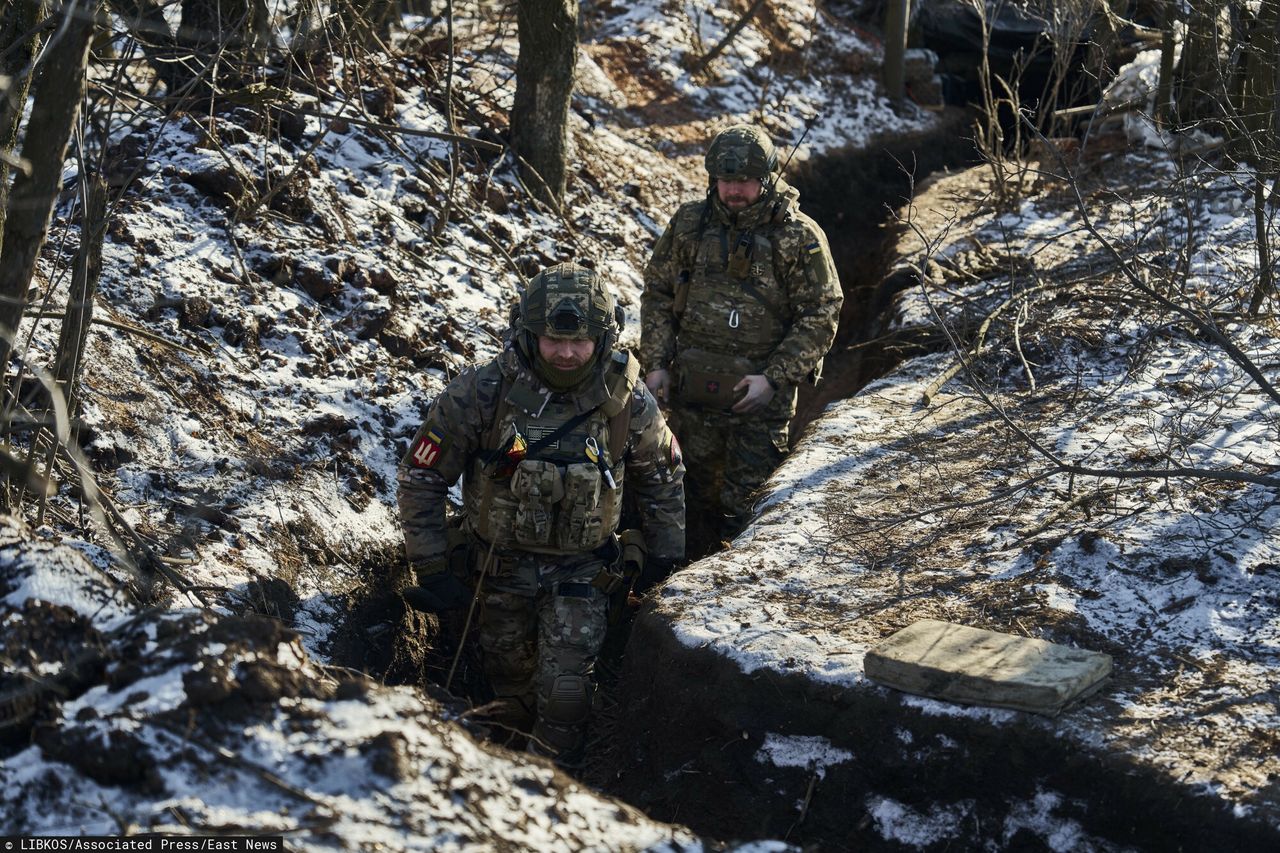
974	666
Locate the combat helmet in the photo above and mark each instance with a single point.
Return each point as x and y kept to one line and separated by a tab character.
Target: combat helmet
568	301
740	152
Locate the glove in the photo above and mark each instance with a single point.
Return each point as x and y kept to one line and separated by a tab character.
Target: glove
655	571
437	593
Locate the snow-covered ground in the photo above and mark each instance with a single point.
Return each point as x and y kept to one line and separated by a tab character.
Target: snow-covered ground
256	374
1103	475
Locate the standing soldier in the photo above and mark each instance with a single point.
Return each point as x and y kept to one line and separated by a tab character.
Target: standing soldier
544	437
740	305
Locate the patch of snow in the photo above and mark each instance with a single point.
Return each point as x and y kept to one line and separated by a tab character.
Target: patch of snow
813	753
900	823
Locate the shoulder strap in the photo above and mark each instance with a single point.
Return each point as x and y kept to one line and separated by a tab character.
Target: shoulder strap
493	433
683	282
624	373
619	426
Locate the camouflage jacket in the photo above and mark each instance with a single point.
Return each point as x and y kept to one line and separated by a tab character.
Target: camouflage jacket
451	444
758	286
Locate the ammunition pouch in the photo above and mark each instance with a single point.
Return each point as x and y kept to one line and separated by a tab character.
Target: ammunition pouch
706	379
537	487
580	523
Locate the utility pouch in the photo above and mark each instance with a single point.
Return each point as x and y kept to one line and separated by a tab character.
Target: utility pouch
707	379
740	258
537	486
611	578
617	576
581	526
634	552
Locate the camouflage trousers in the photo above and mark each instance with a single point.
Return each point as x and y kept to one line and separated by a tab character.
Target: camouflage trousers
727	458
541	627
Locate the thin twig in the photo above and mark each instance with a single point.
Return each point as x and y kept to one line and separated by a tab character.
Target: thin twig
1206	327
405	131
123	327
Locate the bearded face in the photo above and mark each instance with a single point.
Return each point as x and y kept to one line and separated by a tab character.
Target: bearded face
738	194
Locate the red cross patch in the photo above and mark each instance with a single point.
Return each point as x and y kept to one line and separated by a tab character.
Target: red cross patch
427	450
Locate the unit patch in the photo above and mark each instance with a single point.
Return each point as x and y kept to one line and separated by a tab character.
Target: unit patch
757	270
677	456
427	451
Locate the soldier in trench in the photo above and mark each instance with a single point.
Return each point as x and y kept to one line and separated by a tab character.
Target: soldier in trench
545	437
741	302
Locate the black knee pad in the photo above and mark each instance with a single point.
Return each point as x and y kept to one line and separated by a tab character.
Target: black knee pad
569	702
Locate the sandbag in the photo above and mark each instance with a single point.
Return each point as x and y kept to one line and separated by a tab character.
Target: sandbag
973	666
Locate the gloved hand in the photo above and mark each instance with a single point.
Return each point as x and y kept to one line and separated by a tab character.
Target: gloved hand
655	571
437	592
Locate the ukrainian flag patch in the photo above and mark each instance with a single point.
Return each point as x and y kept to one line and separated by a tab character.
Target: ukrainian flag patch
427	450
813	248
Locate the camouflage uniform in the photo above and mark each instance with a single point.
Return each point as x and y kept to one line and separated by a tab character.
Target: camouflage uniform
541	508
730	294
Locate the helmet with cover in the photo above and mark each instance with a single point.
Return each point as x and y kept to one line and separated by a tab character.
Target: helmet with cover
568	301
741	152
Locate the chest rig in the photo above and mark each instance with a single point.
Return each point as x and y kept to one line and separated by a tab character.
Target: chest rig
731	305
549	474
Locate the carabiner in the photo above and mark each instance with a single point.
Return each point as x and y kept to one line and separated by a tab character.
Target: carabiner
733	319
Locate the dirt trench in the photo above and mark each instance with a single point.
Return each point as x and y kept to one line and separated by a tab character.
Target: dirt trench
672	732
853	195
690	725
395	646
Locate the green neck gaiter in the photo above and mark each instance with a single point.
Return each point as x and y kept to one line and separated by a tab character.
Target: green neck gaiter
562	380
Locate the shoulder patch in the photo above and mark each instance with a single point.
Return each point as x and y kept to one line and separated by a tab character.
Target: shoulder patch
426	452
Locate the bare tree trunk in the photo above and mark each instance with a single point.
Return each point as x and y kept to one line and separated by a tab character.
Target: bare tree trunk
1200	86
75	324
1260	110
84	286
1258	90
548	31
442	221
19	43
58	93
895	47
1164	87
